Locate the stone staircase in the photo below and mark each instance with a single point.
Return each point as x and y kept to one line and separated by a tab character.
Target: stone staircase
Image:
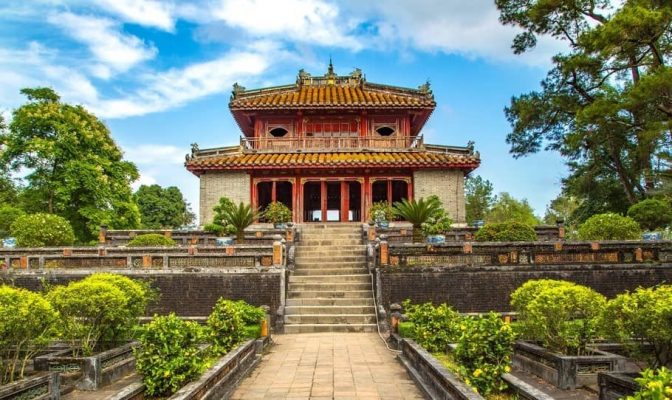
330	288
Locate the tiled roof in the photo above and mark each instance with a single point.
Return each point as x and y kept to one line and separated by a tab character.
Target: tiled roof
404	159
302	96
332	90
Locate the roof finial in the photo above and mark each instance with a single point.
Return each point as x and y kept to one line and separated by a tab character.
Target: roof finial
330	71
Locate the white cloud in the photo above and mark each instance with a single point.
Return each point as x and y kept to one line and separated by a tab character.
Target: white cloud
148	154
114	51
144	179
308	21
179	86
151	13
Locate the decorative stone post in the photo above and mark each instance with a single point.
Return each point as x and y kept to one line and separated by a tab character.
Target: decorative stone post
395	316
266	322
384	253
102	234
277	252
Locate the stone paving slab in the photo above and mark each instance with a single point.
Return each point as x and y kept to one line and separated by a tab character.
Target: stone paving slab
328	366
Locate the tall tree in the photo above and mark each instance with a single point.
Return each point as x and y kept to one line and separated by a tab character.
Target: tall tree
606	105
507	208
162	208
75	168
479	198
562	208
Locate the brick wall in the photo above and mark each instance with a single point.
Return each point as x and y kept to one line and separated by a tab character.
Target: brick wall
217	184
482	289
187	294
447	184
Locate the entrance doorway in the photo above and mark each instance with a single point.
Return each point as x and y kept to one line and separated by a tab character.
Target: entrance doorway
332	201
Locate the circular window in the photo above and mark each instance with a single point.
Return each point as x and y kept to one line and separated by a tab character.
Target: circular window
385	131
278	132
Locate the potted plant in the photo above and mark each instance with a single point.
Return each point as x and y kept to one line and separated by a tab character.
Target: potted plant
278	214
381	214
435	227
224	233
651	215
240	217
418	212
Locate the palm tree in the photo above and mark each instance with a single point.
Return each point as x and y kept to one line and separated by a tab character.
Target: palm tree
417	213
240	217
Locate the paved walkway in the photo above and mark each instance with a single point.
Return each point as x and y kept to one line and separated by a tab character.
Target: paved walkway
328	366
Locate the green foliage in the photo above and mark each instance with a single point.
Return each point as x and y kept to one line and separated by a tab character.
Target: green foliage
484	352
434	327
640	319
220	230
437	224
102	307
609	226
8	215
418	212
239	217
381	211
249	314
75	168
224	206
507	209
277	213
251	331
162	208
150	240
506	232
225	323
169	355
563	316
651	213
654	385
479	198
8	191
26	325
602	105
40	230
562	208
406	329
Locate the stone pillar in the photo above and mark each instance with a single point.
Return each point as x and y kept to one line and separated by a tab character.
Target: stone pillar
384	253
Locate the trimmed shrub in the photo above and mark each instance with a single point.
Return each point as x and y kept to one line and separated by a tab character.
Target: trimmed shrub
225	323
277	213
484	352
26	325
433	327
564	318
8	215
506	232
640	319
249	314
169	355
651	213
406	328
418	212
40	230
609	226
528	291
151	240
220	230
101	308
654	385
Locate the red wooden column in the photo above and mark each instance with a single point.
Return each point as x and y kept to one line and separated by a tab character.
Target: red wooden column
345	201
273	192
323	199
253	194
389	191
366	198
409	190
295	203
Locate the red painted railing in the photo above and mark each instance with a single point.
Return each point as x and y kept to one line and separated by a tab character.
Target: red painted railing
331	143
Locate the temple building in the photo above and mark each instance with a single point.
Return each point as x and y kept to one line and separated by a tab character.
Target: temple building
330	146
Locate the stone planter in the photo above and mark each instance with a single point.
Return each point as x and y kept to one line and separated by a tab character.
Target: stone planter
93	372
281	225
565	372
42	386
383	224
223	241
218	382
615	385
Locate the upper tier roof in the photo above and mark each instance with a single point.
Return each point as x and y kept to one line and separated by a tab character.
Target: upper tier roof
332	91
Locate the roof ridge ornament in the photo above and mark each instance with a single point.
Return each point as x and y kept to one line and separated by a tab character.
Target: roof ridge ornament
425	87
237	89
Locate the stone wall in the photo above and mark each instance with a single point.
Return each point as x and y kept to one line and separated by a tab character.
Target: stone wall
217	184
448	185
482	289
190	294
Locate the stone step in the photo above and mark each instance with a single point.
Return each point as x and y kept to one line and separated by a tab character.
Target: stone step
307	271
330	319
331	251
336	302
299	258
324	241
331	294
328	309
329	264
349	247
353	278
312	328
328	286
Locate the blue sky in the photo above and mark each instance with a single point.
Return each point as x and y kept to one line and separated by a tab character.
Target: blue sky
160	73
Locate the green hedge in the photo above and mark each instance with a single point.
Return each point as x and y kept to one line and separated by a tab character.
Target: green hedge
506	232
151	240
651	213
40	230
609	226
434	327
